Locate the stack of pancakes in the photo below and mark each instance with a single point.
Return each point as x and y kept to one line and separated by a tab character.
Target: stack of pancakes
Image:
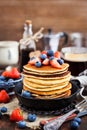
47	82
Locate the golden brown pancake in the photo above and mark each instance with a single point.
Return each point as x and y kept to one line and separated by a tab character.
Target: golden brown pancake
47	77
62	95
49	70
43	86
46	92
47	82
44	74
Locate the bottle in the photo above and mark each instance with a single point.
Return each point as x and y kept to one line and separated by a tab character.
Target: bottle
25	49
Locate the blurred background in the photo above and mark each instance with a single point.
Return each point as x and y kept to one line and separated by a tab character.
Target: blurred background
59	15
66	19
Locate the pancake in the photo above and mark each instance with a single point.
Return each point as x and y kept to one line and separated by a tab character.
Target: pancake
47	81
50	86
55	96
44	74
46	92
47	77
45	70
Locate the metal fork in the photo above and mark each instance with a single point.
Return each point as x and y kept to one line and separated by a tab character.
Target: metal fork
56	123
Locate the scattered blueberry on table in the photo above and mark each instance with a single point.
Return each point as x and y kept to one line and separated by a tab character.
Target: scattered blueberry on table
75	123
77	119
3	109
31	117
21	124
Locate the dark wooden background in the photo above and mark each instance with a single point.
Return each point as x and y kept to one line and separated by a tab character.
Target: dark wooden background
60	15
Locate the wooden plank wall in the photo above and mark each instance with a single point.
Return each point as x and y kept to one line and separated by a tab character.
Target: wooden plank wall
60	15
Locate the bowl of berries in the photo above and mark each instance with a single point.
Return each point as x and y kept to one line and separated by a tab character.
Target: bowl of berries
9	79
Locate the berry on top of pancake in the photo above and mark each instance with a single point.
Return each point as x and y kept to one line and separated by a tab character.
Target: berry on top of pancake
48	57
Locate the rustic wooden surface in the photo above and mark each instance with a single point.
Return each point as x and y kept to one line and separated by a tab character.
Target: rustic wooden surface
5	124
60	15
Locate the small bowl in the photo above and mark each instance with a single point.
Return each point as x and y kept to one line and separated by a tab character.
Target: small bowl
9	84
47	104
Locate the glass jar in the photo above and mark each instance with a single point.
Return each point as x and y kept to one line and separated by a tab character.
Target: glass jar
26	47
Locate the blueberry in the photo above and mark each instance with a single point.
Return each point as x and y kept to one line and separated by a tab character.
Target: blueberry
31	117
2	82
51	58
21	124
60	61
77	119
3	109
50	53
38	64
10	80
26	94
43	56
74	124
2	78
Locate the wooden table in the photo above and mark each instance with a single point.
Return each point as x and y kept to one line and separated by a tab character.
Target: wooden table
5	124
